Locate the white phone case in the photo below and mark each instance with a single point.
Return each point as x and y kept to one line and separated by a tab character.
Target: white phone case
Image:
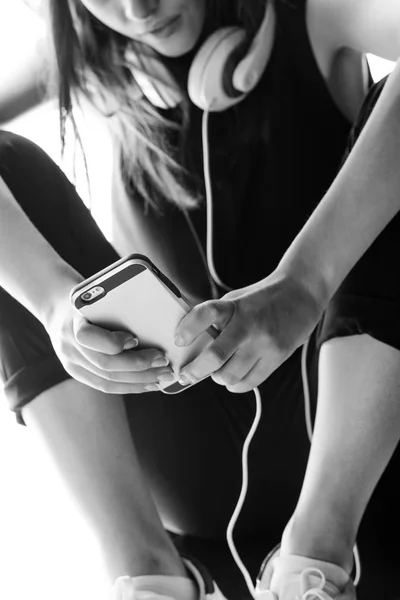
133	295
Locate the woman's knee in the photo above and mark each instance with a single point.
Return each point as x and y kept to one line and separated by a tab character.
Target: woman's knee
69	402
52	204
372	365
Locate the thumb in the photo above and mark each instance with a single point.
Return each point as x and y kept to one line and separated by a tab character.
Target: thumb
201	317
102	340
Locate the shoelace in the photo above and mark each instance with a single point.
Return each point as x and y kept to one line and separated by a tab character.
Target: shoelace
316	592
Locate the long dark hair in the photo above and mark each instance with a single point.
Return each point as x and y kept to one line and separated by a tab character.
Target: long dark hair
155	146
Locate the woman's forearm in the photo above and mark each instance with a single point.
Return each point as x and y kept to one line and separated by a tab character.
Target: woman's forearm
30	269
363	199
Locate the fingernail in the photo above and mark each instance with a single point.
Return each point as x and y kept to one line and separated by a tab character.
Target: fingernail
130	343
185	379
152	387
179	341
166	376
160	361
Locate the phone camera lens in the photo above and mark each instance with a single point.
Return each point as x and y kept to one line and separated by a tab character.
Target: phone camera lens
86	296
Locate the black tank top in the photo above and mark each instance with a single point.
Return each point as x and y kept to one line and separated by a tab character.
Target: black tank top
264	193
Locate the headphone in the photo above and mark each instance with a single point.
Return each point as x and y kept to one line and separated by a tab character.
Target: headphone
219	76
217	79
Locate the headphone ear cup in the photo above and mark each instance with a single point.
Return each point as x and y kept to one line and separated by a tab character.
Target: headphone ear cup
206	86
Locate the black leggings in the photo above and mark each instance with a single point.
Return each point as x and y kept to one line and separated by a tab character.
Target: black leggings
190	444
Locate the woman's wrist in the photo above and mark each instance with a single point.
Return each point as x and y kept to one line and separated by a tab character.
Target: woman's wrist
311	279
293	307
63	281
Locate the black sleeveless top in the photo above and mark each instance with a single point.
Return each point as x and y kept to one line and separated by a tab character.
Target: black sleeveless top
265	191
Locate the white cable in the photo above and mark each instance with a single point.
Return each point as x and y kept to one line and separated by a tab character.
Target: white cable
209	201
214	290
242	495
309	427
214	277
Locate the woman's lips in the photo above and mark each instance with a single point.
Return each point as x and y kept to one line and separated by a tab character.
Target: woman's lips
166	29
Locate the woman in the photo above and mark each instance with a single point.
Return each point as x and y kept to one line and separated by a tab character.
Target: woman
272	158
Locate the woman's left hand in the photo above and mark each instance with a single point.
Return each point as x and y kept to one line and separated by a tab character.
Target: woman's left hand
261	326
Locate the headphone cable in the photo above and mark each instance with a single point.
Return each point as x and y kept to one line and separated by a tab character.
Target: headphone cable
209	201
213	275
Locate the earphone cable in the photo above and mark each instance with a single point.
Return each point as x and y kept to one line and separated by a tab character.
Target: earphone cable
214	276
209	201
242	495
213	287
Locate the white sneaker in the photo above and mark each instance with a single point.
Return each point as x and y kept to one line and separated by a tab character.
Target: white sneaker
300	578
124	589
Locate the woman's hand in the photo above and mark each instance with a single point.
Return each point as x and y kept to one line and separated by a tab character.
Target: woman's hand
261	326
102	359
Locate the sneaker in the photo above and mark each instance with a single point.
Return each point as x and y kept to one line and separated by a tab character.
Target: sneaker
124	589
300	578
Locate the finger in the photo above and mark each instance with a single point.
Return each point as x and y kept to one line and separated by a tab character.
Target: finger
214	356
155	375
107	387
102	340
259	373
236	368
130	360
201	317
144	377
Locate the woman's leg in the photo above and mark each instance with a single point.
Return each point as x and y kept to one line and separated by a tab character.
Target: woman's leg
356	430
85	431
87	436
188	446
357	424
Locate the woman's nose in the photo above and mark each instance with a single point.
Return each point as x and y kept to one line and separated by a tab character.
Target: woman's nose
140	10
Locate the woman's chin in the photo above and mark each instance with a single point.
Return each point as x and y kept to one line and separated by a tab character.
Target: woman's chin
174	49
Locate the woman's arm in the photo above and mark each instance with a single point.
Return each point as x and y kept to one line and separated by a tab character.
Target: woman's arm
263	324
33	273
364	197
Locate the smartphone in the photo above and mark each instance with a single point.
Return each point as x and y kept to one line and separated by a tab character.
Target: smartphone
133	295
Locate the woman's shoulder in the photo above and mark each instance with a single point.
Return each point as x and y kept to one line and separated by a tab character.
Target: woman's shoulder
360	25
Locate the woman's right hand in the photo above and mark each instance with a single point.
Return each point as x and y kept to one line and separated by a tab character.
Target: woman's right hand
102	359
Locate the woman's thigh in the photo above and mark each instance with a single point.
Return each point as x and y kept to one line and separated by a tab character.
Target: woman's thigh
368	304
